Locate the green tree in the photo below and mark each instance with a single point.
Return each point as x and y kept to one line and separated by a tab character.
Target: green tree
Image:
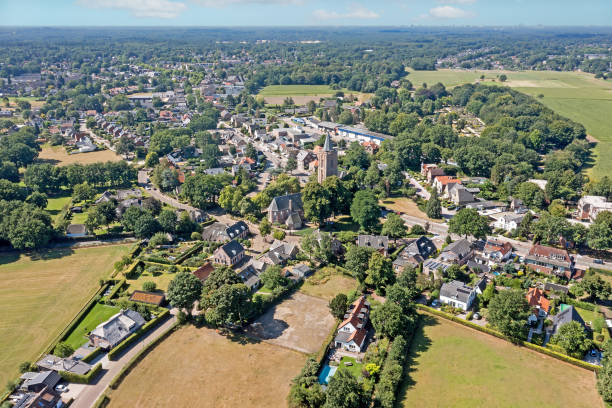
317	205
572	338
149	286
63	350
338	305
365	210
508	311
318	246
389	320
38	199
146	225
357	260
167	221
344	391
83	192
596	287
380	272
229	305
604	377
433	209
223	275
468	222
265	227
184	289
394	226
273	277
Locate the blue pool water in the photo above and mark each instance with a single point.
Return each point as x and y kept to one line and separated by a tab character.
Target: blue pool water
496	273
326	373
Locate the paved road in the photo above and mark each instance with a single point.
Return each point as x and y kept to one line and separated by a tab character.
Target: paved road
91	392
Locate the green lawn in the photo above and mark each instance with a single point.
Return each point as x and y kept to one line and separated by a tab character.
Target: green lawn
452	365
297	90
55	205
162	280
98	314
327	282
576	95
355	369
41	292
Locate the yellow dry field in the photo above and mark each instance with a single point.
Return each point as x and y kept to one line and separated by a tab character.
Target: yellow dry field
58	155
200	368
326	283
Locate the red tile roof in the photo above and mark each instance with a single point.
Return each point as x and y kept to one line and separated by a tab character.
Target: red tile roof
444	180
535	297
503	247
204	271
353	317
550	252
147	297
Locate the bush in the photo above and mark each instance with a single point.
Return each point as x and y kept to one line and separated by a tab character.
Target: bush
149	286
26	366
469	315
63	350
279	234
196	236
80	378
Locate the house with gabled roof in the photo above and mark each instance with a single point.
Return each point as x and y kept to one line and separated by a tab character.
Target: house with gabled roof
497	251
352	332
229	254
286	207
379	243
457	294
458	252
113	331
539	304
545	259
569	314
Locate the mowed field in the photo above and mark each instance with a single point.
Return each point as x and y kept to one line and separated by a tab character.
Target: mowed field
200	368
301	94
452	365
576	95
326	283
59	156
40	293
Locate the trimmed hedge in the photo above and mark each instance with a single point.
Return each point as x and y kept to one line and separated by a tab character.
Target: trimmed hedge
118	286
601	271
392	372
91	356
115	382
114	353
102	402
197	247
583	305
80	378
528	345
132	268
328	341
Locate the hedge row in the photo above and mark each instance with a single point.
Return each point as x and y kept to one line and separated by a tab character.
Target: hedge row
82	378
328	341
601	271
528	345
131	269
102	402
392	372
91	356
115	382
118	286
189	253
208	222
580	304
114	353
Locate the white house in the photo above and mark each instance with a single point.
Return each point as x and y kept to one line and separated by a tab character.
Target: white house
590	206
508	221
352	331
457	294
497	251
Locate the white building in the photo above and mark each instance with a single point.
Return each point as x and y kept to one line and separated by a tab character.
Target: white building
590	206
457	294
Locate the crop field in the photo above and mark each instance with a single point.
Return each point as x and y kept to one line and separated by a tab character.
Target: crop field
452	365
326	283
575	95
41	292
206	369
58	155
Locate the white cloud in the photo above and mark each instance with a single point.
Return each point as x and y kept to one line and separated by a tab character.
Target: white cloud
449	12
355	11
457	1
223	3
140	8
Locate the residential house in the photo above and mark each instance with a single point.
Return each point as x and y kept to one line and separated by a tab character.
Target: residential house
458	252
301	271
459	194
550	288
287	209
457	294
45	398
113	331
279	253
352	332
569	314
516	205
590	206
204	271
218	232
149	298
508	221
250	277
304	158
69	364
229	254
35	382
497	251
414	254
538	302
441	184
379	242
434	266
545	259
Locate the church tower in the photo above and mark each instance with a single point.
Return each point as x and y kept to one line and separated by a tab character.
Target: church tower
328	161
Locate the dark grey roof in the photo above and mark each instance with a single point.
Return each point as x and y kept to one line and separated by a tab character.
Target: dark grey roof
119	326
281	203
422	246
456	290
475	266
327	147
555	287
568	315
481	284
232	248
373	241
460	247
237	229
50	378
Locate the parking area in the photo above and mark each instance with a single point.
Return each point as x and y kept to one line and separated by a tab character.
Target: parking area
300	322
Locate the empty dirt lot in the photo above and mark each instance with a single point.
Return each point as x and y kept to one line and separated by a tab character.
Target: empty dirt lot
200	368
300	322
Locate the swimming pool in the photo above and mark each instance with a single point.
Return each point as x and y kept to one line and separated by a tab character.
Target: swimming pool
326	373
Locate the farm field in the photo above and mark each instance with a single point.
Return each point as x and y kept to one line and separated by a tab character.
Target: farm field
576	95
98	314
326	283
203	368
41	292
477	370
59	156
301	94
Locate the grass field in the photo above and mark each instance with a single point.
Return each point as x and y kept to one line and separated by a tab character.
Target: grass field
98	314
326	283
58	155
576	95
301	94
452	365
162	280
407	206
40	293
200	368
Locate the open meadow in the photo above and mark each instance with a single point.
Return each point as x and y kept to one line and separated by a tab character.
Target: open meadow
58	155
575	95
301	94
326	283
452	365
41	292
200	368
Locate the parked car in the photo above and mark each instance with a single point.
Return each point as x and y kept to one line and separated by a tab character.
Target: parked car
593	353
61	387
598	261
476	316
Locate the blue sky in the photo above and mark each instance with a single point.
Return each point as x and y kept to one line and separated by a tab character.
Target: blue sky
304	12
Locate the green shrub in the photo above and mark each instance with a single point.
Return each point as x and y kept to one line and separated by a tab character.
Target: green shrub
196	236
80	378
469	315
149	286
91	356
63	350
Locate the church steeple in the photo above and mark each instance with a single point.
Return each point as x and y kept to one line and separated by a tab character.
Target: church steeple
328	160
327	146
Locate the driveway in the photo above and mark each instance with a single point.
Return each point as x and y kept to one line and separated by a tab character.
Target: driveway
91	392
